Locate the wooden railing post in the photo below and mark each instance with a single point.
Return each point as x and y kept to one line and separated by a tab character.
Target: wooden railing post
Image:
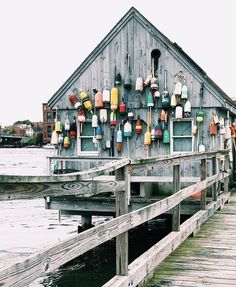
203	177
214	186
176	209
122	208
226	169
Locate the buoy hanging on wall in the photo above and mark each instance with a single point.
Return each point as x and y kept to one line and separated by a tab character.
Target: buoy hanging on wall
94	121
75	101
103	115
139	84
86	101
113	119
119	140
98	100
122	107
114	98
128	129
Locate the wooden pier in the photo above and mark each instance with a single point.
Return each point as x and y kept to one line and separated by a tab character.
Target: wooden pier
87	183
207	259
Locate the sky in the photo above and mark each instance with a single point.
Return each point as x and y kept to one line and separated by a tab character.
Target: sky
44	41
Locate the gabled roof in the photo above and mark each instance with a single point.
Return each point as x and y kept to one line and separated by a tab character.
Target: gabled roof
173	48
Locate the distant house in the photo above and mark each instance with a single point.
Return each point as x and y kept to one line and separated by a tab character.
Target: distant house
48	122
161	86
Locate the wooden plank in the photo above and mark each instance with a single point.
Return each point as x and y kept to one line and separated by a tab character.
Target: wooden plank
144	265
214	186
11	191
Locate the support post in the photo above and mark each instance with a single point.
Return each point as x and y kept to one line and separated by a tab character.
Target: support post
214	186
203	177
176	209
122	208
226	169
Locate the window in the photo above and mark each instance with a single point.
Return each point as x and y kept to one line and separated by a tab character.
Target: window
181	135
85	140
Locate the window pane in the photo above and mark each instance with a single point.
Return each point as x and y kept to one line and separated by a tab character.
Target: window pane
87	144
182	144
182	128
87	129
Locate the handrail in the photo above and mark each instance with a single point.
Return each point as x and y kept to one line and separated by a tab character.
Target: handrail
49	259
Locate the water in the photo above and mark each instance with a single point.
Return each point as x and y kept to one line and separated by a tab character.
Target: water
26	227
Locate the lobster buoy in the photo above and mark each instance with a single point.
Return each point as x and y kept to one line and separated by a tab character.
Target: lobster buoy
103	116
99	132
106	94
75	101
60	138
200	116
81	116
187	109
154	85
173	101
73	129
119	140
213	128
156	94
67	123
113	119
178	112
227	131
194	130
178	89
54	138
94	121
233	130
66	142
130	114
163	116
153	135
139	84
86	101
148	80
122	107
58	126
184	92
147	138
98	100
159	130
150	102
138	126
165	102
166	136
118	79
201	147
114	98
127	129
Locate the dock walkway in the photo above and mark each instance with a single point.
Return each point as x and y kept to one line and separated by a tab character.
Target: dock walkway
207	259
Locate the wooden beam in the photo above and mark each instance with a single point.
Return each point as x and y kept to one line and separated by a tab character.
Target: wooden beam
214	186
11	191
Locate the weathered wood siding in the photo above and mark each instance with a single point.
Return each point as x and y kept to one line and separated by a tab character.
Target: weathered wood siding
138	39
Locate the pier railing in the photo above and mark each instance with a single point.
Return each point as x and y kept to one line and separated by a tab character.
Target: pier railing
49	259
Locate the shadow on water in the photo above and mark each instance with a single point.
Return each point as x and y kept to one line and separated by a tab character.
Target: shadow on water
97	266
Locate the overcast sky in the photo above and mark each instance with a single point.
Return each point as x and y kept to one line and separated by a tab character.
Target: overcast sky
44	41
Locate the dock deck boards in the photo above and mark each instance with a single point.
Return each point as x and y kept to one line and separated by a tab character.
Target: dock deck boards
207	259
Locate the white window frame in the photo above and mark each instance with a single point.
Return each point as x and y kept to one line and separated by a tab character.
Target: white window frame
79	145
173	137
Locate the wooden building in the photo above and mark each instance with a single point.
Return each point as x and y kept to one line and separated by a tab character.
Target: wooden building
180	108
48	122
